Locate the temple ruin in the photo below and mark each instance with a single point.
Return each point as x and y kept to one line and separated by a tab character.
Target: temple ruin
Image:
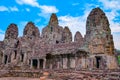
55	49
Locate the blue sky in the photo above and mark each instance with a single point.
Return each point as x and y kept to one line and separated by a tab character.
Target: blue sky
72	13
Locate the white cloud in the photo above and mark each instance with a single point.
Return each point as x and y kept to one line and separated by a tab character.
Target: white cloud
27	9
8	9
111	4
116	38
2	34
33	3
48	9
3	8
45	9
14	8
74	23
21	26
115	26
2	37
1	31
40	27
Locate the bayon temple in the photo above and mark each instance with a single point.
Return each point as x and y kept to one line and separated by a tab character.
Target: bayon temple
54	48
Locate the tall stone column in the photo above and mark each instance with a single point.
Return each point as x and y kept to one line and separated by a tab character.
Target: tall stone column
44	63
31	66
51	65
38	66
65	61
72	62
76	61
60	63
3	59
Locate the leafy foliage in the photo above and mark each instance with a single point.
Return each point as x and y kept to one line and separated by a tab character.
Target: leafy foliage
119	59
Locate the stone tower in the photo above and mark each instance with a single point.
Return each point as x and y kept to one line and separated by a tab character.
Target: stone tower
67	35
54	48
98	33
31	30
78	37
11	32
52	33
98	38
53	20
11	35
10	43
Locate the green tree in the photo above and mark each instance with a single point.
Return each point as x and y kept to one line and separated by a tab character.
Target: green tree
119	59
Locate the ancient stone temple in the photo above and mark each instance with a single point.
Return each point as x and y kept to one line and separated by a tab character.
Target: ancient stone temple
55	49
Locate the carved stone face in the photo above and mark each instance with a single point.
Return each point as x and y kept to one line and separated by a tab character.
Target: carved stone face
97	32
12	32
31	31
78	37
67	35
97	20
53	20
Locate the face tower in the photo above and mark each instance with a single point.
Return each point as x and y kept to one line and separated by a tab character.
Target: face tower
98	38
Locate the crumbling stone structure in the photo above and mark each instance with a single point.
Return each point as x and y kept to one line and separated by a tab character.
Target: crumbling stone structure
54	48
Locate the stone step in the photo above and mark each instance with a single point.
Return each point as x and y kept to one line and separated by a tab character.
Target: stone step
63	74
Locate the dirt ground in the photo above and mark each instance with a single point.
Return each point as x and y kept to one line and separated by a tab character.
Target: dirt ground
18	78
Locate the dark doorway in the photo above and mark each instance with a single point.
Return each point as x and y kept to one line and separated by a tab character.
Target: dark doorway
35	63
98	59
22	57
41	63
6	59
48	60
68	62
15	54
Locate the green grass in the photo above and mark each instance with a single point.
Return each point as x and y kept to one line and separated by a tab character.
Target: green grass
119	59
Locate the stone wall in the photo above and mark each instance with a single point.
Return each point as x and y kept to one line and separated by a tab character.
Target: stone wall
55	49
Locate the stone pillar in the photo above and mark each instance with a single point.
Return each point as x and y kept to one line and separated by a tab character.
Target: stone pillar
86	63
50	65
38	66
83	62
94	63
44	64
58	65
60	62
90	63
31	66
3	59
72	62
76	62
9	59
65	61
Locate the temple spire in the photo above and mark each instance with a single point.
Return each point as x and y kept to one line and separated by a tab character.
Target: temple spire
53	20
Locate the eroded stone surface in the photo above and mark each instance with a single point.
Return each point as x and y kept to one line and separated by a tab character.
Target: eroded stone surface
98	38
78	37
67	35
11	32
53	20
54	48
31	31
52	33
